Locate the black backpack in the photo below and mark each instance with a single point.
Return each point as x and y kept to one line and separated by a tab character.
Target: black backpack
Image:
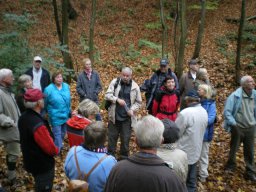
107	102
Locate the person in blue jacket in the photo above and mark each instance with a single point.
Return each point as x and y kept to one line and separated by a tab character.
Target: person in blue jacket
57	105
88	155
205	93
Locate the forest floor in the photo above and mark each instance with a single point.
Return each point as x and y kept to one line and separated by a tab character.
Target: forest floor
120	26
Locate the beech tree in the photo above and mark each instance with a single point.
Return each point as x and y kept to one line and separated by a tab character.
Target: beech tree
91	38
164	27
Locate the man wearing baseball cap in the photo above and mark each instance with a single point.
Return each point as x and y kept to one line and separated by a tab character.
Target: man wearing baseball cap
36	140
39	75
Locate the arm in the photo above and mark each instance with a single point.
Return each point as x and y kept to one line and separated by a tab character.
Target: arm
180	121
5	121
228	111
79	86
98	84
138	100
155	107
176	81
44	140
109	95
211	113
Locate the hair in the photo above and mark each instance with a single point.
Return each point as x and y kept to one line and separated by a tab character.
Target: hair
55	74
149	132
167	78
31	105
244	79
200	73
87	107
207	89
86	59
4	73
95	135
127	70
23	79
192	99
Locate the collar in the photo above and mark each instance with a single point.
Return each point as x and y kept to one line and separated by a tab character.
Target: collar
146	159
6	89
37	71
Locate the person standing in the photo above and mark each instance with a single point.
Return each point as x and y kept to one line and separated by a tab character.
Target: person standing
192	122
89	84
9	115
57	104
152	86
187	81
40	76
240	120
37	144
126	100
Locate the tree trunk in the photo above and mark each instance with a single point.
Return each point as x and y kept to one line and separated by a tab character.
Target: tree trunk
239	42
91	38
72	14
175	24
164	34
183	32
57	21
200	30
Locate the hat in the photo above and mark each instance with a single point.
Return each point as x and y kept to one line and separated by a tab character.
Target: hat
193	62
164	61
171	131
33	95
37	58
192	93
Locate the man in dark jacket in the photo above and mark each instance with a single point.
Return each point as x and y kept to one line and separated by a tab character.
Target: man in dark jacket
152	85
39	75
36	141
145	171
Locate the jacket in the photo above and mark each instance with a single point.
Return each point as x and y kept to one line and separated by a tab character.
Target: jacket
232	105
89	89
192	122
9	115
86	160
57	103
143	172
210	106
135	97
45	78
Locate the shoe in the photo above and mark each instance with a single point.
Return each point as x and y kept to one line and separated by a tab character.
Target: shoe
229	170
250	177
202	179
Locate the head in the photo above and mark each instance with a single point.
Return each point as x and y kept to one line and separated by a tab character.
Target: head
34	99
6	77
88	109
204	91
126	74
37	62
87	64
95	135
149	132
193	65
202	74
169	83
57	78
164	65
171	131
247	83
192	97
25	81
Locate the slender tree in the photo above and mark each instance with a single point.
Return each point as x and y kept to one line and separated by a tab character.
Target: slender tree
91	39
239	42
164	27
57	21
200	30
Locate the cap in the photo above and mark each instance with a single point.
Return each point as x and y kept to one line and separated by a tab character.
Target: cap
37	58
171	131
33	95
193	62
192	93
164	61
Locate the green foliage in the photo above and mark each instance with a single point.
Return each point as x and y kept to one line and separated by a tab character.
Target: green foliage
131	52
210	5
152	45
250	27
118	64
126	28
155	25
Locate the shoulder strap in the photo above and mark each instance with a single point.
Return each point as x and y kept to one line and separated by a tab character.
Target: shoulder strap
96	165
116	84
77	166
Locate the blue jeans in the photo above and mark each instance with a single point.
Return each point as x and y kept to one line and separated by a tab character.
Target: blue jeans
59	133
191	178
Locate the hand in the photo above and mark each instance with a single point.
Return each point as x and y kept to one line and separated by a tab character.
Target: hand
121	102
130	113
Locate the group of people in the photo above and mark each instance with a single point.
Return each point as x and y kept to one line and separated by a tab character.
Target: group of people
172	140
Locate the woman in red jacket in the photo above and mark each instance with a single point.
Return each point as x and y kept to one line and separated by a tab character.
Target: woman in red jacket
166	102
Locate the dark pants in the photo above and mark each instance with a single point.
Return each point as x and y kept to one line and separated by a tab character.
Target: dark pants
246	136
124	129
191	178
44	182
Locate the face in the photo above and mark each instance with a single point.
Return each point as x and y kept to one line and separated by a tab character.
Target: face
170	84
126	77
201	92
8	80
87	65
250	84
194	67
37	64
28	84
58	79
163	68
41	103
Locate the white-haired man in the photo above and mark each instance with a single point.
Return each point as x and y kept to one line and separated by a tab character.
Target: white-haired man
145	171
124	93
9	114
240	119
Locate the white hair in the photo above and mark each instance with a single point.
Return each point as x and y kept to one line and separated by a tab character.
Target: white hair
244	79
4	73
31	105
23	79
149	132
127	70
87	107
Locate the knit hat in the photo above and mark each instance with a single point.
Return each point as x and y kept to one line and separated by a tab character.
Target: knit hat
192	93
164	61
33	95
171	131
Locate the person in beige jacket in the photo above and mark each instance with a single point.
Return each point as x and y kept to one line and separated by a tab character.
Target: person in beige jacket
126	100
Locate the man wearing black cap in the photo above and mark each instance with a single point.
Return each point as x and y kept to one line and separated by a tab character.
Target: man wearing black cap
36	140
192	122
152	85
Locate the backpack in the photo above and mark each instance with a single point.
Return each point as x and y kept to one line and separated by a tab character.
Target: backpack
107	102
81	184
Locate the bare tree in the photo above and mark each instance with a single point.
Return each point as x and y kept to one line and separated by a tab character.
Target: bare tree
91	39
164	27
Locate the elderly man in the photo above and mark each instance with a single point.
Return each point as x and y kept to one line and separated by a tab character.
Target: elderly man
192	122
187	81
126	100
36	140
39	75
9	114
152	85
145	171
240	119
